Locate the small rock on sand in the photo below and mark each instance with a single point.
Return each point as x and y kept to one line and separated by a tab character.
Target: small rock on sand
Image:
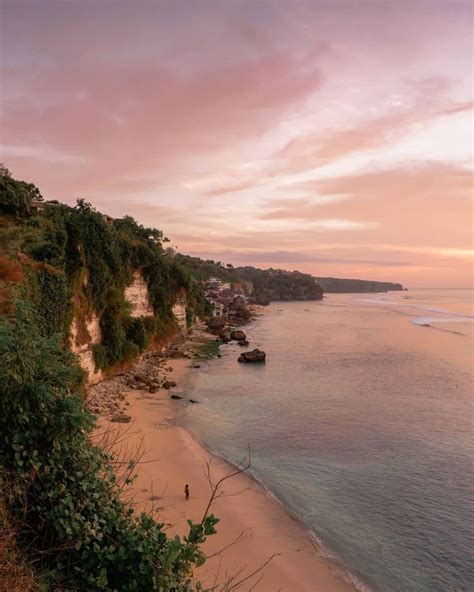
121	418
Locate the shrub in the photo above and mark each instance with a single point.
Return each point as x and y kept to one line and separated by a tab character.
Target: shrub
189	317
136	332
52	301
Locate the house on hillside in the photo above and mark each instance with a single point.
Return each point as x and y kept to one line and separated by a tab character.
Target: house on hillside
218	310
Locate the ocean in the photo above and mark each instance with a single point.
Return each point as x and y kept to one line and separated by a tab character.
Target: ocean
361	424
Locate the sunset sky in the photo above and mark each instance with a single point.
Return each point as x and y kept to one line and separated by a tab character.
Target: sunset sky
332	137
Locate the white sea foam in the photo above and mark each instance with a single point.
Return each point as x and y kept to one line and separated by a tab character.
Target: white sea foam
445	315
424	321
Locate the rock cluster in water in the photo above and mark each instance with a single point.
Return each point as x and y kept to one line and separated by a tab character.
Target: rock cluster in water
253	356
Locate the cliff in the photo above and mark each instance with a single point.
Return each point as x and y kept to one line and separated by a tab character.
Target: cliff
278	284
338	285
105	286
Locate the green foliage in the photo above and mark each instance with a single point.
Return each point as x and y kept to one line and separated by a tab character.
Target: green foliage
189	317
52	301
79	257
136	332
202	270
63	490
339	285
91	236
279	284
56	484
122	335
267	284
16	197
209	349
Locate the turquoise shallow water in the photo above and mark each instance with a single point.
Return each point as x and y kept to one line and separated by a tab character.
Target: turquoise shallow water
360	423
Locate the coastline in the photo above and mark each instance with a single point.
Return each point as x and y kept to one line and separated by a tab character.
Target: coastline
254	527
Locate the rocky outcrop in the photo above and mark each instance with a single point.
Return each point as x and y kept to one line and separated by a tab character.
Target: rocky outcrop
121	418
216	325
255	356
137	295
238	335
84	335
148	375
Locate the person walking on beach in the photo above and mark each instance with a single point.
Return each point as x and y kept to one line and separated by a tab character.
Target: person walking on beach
186	491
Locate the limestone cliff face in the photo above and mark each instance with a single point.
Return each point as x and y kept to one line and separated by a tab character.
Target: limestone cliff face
85	333
179	311
85	328
137	294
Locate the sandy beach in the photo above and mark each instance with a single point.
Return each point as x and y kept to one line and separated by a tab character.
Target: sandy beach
261	527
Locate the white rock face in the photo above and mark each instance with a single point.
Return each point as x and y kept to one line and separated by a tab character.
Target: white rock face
137	295
179	311
83	347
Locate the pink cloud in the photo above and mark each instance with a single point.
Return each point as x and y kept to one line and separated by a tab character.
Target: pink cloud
190	116
130	120
419	205
317	148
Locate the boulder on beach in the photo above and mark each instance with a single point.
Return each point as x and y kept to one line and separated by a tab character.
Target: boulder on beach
215	325
243	314
168	384
238	335
254	356
243	342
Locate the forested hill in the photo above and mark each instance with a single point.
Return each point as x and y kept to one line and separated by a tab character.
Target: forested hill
266	285
278	284
338	285
263	285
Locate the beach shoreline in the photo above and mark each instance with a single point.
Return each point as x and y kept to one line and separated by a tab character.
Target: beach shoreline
254	530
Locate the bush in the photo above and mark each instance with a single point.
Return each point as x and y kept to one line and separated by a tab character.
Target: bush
136	332
189	317
52	301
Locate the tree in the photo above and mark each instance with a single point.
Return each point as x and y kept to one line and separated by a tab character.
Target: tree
16	197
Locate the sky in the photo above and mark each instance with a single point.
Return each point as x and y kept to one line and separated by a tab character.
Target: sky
333	137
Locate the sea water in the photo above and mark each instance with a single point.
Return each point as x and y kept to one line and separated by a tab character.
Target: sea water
360	423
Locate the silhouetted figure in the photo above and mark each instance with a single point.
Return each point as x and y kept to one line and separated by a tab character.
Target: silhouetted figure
186	491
